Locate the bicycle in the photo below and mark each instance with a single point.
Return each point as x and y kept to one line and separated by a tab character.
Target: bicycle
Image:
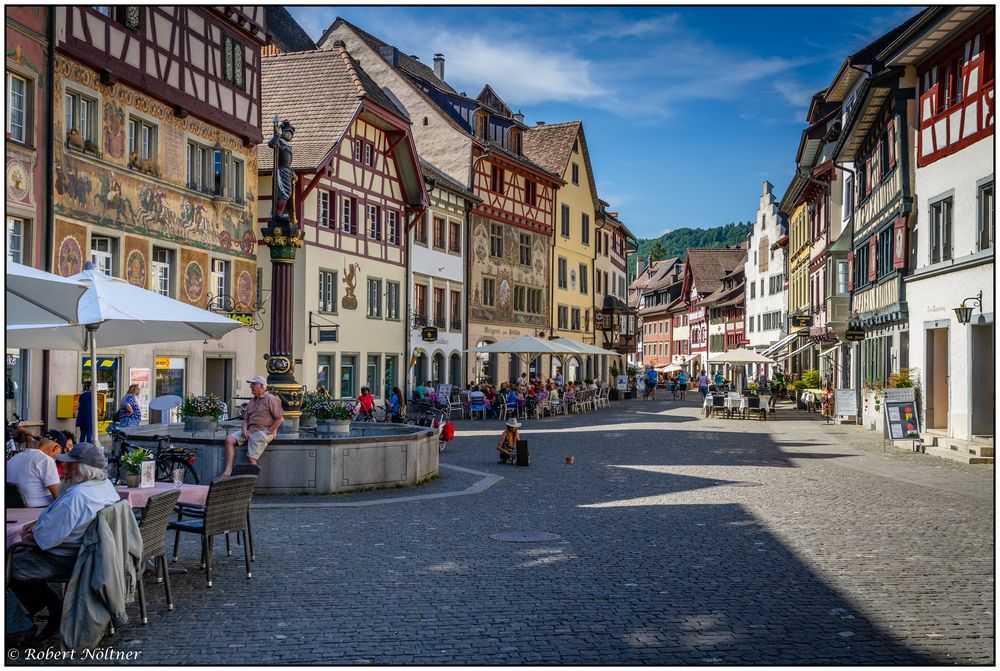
11	447
166	459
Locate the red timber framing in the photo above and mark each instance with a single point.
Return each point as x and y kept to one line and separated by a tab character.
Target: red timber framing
343	177
177	56
957	86
509	206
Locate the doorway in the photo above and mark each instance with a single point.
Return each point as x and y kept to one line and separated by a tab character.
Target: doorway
219	380
937	378
982	394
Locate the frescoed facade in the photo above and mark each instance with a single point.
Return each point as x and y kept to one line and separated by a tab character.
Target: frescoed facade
357	191
951	51
25	166
153	165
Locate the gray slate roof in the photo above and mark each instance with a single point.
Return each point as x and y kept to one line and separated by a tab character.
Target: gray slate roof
288	35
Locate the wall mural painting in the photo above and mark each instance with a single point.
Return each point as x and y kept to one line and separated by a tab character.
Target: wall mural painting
70	241
505	295
244	288
135	268
194	282
193	278
114	130
244	284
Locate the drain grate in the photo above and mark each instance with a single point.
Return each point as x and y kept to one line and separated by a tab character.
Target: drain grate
524	536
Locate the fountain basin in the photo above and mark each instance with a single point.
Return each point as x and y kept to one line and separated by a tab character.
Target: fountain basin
309	462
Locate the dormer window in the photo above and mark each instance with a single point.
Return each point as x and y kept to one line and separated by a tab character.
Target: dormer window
515	140
482	121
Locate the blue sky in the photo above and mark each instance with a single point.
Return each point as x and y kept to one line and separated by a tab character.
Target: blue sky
687	110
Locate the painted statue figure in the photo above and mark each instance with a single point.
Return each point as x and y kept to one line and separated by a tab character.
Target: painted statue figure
283	174
349	302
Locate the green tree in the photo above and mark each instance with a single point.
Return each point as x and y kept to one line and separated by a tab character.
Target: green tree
657	251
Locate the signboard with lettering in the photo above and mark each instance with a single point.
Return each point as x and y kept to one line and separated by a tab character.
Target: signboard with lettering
328	335
622	383
900	394
162	363
902	419
801	321
854	333
845	402
429	333
245	318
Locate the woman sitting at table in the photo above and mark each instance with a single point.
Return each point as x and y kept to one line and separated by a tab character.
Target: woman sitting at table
508	441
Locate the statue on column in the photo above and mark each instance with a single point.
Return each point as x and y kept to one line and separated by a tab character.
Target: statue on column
283	175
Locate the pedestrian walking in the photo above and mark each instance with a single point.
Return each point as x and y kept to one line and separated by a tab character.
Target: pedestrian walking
130	412
682	384
651	379
703	383
85	416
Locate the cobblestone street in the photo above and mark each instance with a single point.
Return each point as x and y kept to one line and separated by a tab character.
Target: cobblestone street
680	540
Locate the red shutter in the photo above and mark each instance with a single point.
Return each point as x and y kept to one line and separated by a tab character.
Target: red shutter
868	175
872	258
892	143
899	243
850	271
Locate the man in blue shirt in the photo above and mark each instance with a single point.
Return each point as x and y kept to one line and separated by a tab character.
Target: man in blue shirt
651	379
682	384
54	540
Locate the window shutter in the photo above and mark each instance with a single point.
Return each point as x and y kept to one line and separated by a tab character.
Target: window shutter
868	175
850	271
899	243
872	258
893	143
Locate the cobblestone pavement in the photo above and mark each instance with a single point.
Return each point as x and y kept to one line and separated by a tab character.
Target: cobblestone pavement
681	540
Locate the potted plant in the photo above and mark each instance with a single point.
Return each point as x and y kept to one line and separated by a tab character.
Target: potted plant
201	413
753	388
308	419
131	464
332	416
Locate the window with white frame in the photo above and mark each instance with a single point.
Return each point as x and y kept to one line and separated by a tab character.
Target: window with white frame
489	291
19	108
327	291
368	153
17	240
941	230
347	215
323	209
103	254
358	148
162	266
199	167
842	277
392	300
141	139
563	273
392	227
220	277
374	297
374	223
986	219
80	114
496	241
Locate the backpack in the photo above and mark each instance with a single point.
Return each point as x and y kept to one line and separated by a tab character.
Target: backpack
448	432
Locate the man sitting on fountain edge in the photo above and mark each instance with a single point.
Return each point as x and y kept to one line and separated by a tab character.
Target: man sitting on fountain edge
261	419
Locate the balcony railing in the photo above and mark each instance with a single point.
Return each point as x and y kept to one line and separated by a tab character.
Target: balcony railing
439	322
456	324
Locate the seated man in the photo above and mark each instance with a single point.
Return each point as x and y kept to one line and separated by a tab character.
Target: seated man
55	537
261	419
34	471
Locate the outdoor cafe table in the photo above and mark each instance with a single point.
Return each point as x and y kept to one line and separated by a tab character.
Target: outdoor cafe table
17	519
736	404
195	495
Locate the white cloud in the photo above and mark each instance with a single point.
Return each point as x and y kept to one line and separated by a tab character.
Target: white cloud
522	73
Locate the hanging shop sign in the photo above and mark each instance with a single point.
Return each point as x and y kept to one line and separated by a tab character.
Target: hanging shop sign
854	333
103	363
429	334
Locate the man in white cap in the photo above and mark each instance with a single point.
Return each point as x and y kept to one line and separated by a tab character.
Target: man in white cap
261	419
55	538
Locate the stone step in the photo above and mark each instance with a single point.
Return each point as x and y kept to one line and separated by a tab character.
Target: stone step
979	446
957	455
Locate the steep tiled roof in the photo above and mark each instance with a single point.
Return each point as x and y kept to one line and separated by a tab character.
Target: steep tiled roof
319	92
405	62
550	145
288	35
444	181
709	265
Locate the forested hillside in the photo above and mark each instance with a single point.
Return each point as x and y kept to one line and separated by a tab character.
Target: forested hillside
678	241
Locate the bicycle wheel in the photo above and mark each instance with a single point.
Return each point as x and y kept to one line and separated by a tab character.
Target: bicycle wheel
165	470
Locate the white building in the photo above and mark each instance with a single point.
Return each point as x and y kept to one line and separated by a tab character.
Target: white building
950	50
437	290
765	280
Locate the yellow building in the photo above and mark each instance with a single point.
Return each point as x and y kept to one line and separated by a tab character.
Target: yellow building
799	310
562	149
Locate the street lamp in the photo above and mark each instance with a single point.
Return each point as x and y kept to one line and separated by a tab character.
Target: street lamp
964	312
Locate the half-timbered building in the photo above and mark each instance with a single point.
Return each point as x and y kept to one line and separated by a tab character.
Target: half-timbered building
951	52
477	141
357	191
613	243
155	122
654	316
26	173
704	270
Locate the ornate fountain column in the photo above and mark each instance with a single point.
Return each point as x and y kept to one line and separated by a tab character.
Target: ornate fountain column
283	238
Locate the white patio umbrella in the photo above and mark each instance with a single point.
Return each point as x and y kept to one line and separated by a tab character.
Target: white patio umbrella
34	296
740	355
670	368
580	347
123	314
525	348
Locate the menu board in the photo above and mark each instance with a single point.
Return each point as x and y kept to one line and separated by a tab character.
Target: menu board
622	383
147	477
902	420
845	403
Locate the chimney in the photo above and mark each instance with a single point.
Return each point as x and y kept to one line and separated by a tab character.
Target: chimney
439	66
519	117
539	123
391	54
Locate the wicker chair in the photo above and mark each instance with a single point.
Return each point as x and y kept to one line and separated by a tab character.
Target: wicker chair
227	510
153	529
754	406
13	497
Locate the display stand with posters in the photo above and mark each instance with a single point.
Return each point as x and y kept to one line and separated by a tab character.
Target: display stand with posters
902	418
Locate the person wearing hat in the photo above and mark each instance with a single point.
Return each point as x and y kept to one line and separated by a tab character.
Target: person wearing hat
508	441
261	419
34	471
54	539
